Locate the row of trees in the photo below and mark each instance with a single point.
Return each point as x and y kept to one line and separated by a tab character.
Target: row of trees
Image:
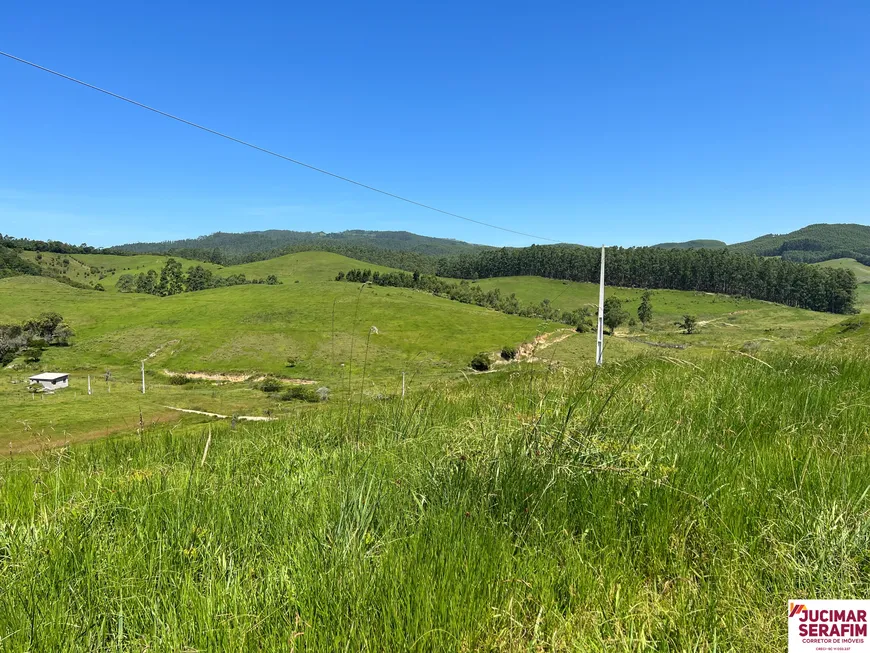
12	265
32	337
469	293
172	280
706	270
46	245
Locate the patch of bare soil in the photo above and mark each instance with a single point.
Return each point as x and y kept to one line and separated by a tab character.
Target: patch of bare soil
248	418
528	350
162	347
235	377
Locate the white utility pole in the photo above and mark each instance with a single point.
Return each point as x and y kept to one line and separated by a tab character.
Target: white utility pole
599	349
89	384
143	377
403	385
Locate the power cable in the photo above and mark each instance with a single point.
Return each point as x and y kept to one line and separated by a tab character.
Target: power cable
268	151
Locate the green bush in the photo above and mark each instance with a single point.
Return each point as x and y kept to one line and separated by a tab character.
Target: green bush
179	379
301	393
508	352
481	362
269	384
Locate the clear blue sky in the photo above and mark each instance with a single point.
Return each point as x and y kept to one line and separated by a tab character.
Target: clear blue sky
627	123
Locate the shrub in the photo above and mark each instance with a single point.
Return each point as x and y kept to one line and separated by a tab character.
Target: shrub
179	379
269	384
689	324
300	392
481	362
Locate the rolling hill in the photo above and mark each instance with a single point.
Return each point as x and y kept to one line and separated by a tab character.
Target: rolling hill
398	248
324	327
693	244
814	243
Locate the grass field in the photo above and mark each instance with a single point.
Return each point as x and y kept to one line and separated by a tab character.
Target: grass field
251	329
105	269
862	274
254	330
654	506
673	500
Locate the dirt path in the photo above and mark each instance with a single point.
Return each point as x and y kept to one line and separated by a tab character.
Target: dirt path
161	347
248	418
234	377
526	351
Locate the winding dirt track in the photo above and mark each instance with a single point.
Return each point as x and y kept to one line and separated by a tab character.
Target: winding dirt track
247	418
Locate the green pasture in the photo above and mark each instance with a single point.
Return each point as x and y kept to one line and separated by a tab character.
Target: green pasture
654	505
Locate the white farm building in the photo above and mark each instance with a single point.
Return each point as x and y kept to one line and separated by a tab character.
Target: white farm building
51	380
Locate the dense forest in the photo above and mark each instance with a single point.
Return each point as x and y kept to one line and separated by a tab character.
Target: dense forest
693	244
813	244
12	265
706	270
55	246
233	248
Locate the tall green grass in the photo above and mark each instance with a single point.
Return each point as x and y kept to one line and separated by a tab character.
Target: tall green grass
656	505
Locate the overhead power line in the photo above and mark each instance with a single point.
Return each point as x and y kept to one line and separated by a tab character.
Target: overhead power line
268	151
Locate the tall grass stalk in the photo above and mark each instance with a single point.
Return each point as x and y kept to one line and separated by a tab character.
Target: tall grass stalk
663	507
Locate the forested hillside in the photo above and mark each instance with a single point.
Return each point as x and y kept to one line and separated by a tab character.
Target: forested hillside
707	270
812	244
693	244
229	248
57	246
11	264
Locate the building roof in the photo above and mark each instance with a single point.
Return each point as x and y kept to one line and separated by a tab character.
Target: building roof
49	376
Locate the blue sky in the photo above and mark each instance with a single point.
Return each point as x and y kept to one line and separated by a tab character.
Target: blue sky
625	123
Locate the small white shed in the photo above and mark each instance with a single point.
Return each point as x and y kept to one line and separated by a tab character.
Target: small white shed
51	380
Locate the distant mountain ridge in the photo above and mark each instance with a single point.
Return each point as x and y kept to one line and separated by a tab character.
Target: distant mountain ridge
813	244
400	249
693	244
250	242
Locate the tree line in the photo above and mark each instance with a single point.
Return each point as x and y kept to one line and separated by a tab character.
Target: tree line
30	338
814	243
55	246
173	280
468	293
705	270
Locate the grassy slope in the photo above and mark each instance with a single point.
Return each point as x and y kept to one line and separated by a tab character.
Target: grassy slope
514	514
246	329
256	328
110	266
862	274
728	322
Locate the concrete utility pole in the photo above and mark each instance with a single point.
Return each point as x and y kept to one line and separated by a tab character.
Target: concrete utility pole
89	384
143	376
403	385
599	349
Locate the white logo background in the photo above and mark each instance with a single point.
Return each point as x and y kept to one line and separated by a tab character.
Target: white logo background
852	643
